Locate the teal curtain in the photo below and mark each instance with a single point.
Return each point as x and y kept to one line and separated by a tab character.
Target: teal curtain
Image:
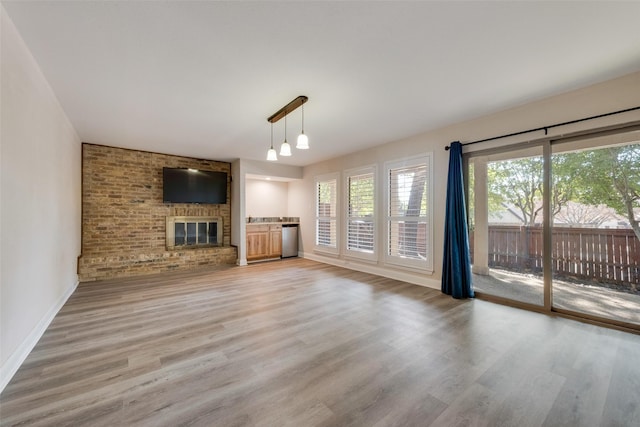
456	265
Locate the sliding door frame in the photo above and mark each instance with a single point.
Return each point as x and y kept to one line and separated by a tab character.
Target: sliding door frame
546	143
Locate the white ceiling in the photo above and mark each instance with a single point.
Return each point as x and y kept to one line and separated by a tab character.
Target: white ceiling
200	78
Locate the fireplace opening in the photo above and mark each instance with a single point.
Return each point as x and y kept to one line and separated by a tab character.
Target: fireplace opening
189	231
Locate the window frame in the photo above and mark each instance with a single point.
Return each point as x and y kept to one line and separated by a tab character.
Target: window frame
347	175
425	159
327	249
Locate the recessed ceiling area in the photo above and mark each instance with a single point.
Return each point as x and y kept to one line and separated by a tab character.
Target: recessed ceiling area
200	79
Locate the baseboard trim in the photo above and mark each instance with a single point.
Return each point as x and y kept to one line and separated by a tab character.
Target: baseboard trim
17	358
405	276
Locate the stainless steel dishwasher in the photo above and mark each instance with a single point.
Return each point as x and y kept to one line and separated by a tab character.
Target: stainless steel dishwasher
289	240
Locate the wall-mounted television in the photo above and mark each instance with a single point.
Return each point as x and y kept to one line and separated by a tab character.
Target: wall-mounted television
193	186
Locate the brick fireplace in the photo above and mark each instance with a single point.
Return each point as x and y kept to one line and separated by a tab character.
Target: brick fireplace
124	221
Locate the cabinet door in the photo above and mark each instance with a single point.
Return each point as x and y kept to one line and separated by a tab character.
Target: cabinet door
257	245
275	248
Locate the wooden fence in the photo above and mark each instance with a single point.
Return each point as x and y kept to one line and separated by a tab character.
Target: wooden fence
603	255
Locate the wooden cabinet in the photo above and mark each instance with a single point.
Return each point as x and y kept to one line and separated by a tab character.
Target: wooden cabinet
275	240
264	241
257	242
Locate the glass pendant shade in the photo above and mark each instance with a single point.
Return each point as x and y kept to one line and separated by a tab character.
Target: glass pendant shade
303	142
271	154
285	149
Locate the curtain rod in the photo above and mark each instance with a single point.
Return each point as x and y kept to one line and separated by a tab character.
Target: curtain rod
546	128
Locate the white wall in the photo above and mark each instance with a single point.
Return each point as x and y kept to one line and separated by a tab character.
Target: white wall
40	206
598	99
266	198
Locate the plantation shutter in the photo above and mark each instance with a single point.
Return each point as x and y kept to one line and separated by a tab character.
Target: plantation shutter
326	224
407	212
360	213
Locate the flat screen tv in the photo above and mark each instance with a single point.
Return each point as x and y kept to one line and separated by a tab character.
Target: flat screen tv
194	186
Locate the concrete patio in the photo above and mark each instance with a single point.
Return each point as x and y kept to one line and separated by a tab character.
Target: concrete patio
595	300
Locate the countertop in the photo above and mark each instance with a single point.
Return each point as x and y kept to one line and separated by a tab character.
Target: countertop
272	220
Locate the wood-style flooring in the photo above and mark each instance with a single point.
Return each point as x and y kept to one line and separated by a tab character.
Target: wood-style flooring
299	343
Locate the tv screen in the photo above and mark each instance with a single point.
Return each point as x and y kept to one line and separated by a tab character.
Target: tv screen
194	186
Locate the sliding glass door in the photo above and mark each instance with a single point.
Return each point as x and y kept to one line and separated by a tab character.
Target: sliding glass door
584	260
507	224
596	231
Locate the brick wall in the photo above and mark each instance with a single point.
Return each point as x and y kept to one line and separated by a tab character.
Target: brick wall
123	216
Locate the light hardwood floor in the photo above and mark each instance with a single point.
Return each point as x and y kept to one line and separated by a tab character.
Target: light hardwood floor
300	343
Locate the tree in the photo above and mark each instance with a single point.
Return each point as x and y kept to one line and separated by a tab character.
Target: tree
516	182
609	176
519	183
612	176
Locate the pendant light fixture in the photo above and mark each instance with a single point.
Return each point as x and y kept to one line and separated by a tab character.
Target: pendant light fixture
271	154
303	141
285	148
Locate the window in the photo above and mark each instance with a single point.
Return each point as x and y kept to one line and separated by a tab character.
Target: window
326	209
360	200
408	212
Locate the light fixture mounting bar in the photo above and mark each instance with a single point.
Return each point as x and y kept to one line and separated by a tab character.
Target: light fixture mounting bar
287	108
